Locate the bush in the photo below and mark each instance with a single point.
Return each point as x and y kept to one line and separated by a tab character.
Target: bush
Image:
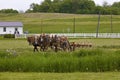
9	36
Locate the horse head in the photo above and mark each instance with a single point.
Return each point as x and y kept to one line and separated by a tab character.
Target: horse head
31	40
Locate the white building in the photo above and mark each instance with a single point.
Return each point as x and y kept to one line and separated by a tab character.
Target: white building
11	28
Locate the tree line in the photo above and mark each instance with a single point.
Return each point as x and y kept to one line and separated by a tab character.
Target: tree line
71	6
8	11
75	6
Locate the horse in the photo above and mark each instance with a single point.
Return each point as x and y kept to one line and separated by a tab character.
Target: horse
54	43
33	41
60	43
44	42
30	40
65	44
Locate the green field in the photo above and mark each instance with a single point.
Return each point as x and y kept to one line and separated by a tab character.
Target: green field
23	44
17	56
60	76
101	62
63	23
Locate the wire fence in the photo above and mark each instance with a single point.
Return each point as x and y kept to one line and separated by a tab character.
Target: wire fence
76	35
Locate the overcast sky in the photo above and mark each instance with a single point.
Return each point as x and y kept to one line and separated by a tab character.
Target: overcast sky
25	4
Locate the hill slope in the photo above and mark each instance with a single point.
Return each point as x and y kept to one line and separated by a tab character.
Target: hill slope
63	23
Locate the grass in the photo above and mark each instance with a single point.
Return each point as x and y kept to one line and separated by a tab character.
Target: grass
99	42
60	76
60	23
22	43
110	48
13	44
18	56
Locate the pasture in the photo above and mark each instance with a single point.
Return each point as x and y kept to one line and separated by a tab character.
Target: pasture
22	44
63	23
101	62
17	56
59	76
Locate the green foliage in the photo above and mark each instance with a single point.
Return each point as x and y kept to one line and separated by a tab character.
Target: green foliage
83	52
75	6
116	4
17	56
9	36
8	11
3	54
64	6
81	61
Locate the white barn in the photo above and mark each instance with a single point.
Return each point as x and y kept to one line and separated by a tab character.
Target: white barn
11	28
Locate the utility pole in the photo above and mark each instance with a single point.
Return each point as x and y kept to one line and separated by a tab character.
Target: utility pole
41	26
111	25
74	25
98	26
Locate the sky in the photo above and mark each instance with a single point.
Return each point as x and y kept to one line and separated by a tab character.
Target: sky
23	5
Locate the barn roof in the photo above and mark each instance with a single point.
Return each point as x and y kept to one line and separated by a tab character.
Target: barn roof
11	24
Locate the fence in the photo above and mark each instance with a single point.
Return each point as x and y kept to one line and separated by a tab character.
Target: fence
76	35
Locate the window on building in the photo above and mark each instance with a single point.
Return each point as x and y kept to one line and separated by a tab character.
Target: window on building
4	29
16	29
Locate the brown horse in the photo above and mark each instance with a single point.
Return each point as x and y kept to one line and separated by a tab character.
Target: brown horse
60	43
44	42
33	41
55	43
30	40
65	44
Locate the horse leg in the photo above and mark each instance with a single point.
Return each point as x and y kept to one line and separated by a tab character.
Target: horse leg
35	48
73	47
56	50
43	48
40	48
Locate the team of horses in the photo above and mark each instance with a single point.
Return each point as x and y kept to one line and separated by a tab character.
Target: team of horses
45	42
53	42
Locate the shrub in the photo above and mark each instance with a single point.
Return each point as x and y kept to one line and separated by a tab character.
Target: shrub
9	36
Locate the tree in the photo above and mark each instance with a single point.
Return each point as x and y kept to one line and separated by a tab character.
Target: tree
34	7
86	6
75	6
116	4
66	6
115	11
98	9
45	7
105	4
55	6
116	8
8	11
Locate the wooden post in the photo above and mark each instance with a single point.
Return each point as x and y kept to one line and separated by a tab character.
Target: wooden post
111	25
98	26
41	26
74	25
